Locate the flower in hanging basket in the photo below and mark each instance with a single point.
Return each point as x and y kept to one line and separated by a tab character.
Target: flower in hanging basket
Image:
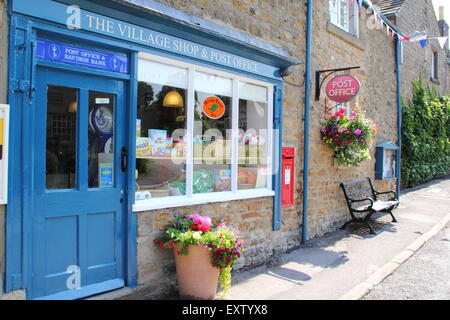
349	138
196	230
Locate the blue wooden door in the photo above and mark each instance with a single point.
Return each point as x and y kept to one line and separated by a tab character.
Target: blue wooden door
79	185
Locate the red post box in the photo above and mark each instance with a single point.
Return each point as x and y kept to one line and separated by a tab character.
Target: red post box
287	177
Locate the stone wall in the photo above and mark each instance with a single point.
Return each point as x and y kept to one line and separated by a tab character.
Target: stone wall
374	52
283	23
420	16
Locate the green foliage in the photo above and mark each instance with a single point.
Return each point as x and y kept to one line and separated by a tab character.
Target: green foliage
425	136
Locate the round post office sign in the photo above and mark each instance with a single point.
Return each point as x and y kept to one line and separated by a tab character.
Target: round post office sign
213	107
342	88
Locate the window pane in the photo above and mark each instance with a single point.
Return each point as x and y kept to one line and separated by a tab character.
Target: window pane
160	131
61	139
101	140
334	15
212	133
162	74
344	14
253	134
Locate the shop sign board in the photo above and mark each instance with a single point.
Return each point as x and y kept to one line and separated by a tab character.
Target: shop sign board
4	129
75	18
342	88
59	52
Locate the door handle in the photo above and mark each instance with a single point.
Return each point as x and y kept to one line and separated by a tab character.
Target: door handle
124	159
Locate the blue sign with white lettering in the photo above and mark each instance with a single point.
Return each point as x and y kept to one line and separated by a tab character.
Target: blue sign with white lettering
58	52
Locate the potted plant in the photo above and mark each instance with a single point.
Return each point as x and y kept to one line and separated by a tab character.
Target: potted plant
349	137
205	252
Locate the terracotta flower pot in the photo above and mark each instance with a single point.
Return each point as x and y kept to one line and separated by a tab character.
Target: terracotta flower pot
197	278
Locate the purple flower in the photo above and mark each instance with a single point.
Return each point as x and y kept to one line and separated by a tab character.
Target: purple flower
357	132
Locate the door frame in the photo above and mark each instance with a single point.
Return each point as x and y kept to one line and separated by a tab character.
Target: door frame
83	84
22	70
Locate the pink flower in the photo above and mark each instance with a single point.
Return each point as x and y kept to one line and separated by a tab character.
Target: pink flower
357	132
203	223
353	114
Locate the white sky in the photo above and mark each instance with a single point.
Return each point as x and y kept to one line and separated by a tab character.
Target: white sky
446	4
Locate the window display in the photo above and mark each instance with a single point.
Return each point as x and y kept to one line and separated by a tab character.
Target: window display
252	154
160	130
212	132
186	119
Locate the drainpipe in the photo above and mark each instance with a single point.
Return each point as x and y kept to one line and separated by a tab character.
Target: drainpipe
306	130
399	111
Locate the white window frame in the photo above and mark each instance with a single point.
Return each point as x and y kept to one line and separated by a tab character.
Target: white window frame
210	197
352	19
336	17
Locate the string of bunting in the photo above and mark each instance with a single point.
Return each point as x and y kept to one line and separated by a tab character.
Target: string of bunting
421	37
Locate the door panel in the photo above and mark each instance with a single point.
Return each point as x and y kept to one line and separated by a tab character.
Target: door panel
78	190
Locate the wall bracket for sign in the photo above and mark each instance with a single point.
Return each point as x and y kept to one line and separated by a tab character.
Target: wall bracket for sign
320	80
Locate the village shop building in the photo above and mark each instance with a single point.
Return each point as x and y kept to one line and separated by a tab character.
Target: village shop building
127	112
115	112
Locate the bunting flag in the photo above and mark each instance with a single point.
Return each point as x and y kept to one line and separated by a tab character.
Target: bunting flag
380	22
418	36
423	43
442	41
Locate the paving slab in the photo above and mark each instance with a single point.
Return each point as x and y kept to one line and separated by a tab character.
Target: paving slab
330	267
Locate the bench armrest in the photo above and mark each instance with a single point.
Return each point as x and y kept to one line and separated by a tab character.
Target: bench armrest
365	199
386	192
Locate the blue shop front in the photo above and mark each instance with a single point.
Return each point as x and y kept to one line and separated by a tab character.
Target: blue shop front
108	105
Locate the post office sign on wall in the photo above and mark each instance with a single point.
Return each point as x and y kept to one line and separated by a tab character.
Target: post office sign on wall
342	88
4	129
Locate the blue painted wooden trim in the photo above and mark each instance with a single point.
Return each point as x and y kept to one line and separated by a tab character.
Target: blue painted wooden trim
172	21
131	258
17	225
82	70
85	291
278	143
14	253
135	33
87	38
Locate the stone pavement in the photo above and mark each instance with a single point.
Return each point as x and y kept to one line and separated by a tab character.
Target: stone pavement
344	264
347	264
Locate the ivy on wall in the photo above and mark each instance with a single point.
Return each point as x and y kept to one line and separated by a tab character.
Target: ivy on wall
425	136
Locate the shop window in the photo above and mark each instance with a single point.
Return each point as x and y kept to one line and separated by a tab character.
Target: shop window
344	14
252	154
200	132
212	133
160	130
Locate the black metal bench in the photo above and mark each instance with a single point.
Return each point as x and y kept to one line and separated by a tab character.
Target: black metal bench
362	200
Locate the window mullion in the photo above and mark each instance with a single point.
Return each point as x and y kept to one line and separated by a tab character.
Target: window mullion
234	139
190	132
269	142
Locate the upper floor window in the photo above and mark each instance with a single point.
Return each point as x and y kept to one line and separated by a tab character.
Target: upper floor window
339	13
434	65
344	14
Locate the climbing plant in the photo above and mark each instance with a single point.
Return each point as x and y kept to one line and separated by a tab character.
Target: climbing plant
425	136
